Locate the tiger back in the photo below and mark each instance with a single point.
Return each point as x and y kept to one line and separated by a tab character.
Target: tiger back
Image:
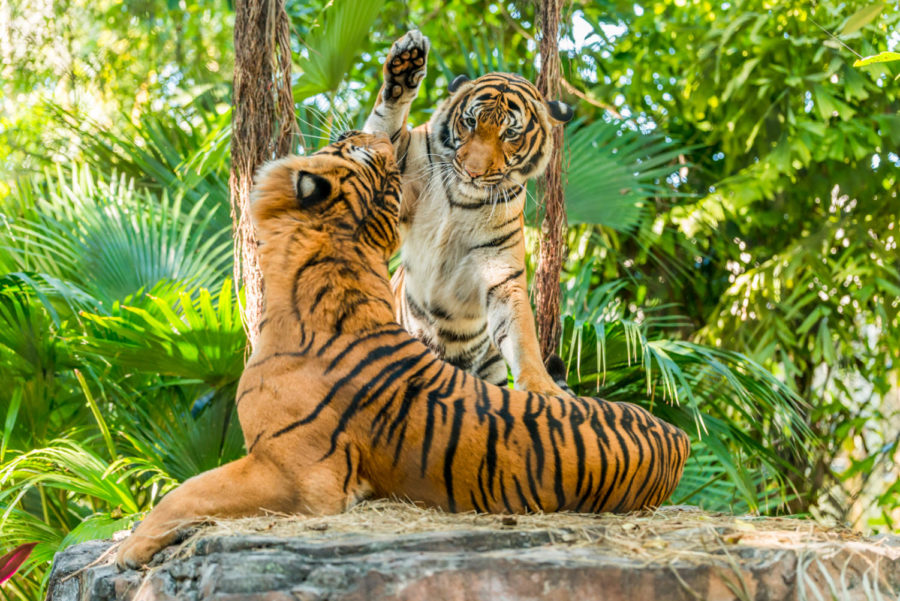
461	287
338	402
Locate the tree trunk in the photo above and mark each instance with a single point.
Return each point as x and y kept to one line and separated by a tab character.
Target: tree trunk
553	226
262	127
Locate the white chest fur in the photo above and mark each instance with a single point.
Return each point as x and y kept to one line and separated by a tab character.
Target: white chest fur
447	249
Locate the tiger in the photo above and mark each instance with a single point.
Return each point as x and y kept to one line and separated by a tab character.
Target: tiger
461	286
339	403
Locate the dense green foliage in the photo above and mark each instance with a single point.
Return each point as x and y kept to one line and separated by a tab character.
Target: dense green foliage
732	185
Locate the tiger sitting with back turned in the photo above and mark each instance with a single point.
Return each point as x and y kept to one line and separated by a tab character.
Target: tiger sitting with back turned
462	287
338	402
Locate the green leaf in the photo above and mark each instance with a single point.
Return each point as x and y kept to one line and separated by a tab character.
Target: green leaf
881	57
98	416
11	413
333	48
612	172
109	240
862	17
194	335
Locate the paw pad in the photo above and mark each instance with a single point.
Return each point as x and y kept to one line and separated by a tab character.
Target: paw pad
405	66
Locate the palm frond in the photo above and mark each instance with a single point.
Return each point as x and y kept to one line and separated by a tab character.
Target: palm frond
65	492
181	442
174	333
707	483
713	394
183	152
111	241
612	172
481	54
330	50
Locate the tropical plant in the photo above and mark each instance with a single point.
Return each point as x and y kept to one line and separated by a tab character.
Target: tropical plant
736	411
118	367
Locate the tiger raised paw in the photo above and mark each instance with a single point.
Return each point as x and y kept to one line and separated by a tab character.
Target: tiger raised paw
405	68
338	402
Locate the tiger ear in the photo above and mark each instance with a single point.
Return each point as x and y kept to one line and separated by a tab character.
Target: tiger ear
560	111
457	81
311	188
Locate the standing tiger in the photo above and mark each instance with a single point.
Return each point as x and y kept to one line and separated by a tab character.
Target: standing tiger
461	287
338	402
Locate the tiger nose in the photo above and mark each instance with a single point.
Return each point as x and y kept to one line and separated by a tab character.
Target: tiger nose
473	172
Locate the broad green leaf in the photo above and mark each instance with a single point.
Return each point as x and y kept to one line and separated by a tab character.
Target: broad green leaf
332	48
881	57
862	17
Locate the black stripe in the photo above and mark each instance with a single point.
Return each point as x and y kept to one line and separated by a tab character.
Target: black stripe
576	418
508	221
500	332
412	394
255	440
503	496
555	428
530	419
588	491
504	414
447	388
440	312
481	485
244	393
484	410
493	359
522	500
319	296
452	443
375	354
531	483
349	309
391	329
474	502
349	465
451	336
417	311
390	374
495	242
509	278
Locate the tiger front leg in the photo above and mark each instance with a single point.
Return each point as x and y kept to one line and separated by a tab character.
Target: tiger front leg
511	327
249	486
404	70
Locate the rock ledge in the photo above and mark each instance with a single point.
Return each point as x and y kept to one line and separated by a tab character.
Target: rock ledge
394	551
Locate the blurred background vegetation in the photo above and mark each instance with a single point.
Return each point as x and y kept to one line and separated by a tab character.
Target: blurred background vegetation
732	186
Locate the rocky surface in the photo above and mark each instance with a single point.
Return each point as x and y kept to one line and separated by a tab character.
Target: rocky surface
405	553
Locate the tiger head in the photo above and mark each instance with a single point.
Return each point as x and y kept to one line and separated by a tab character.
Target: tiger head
497	130
346	193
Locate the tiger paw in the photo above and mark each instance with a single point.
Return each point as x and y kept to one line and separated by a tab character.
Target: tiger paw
137	551
556	369
405	67
540	384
